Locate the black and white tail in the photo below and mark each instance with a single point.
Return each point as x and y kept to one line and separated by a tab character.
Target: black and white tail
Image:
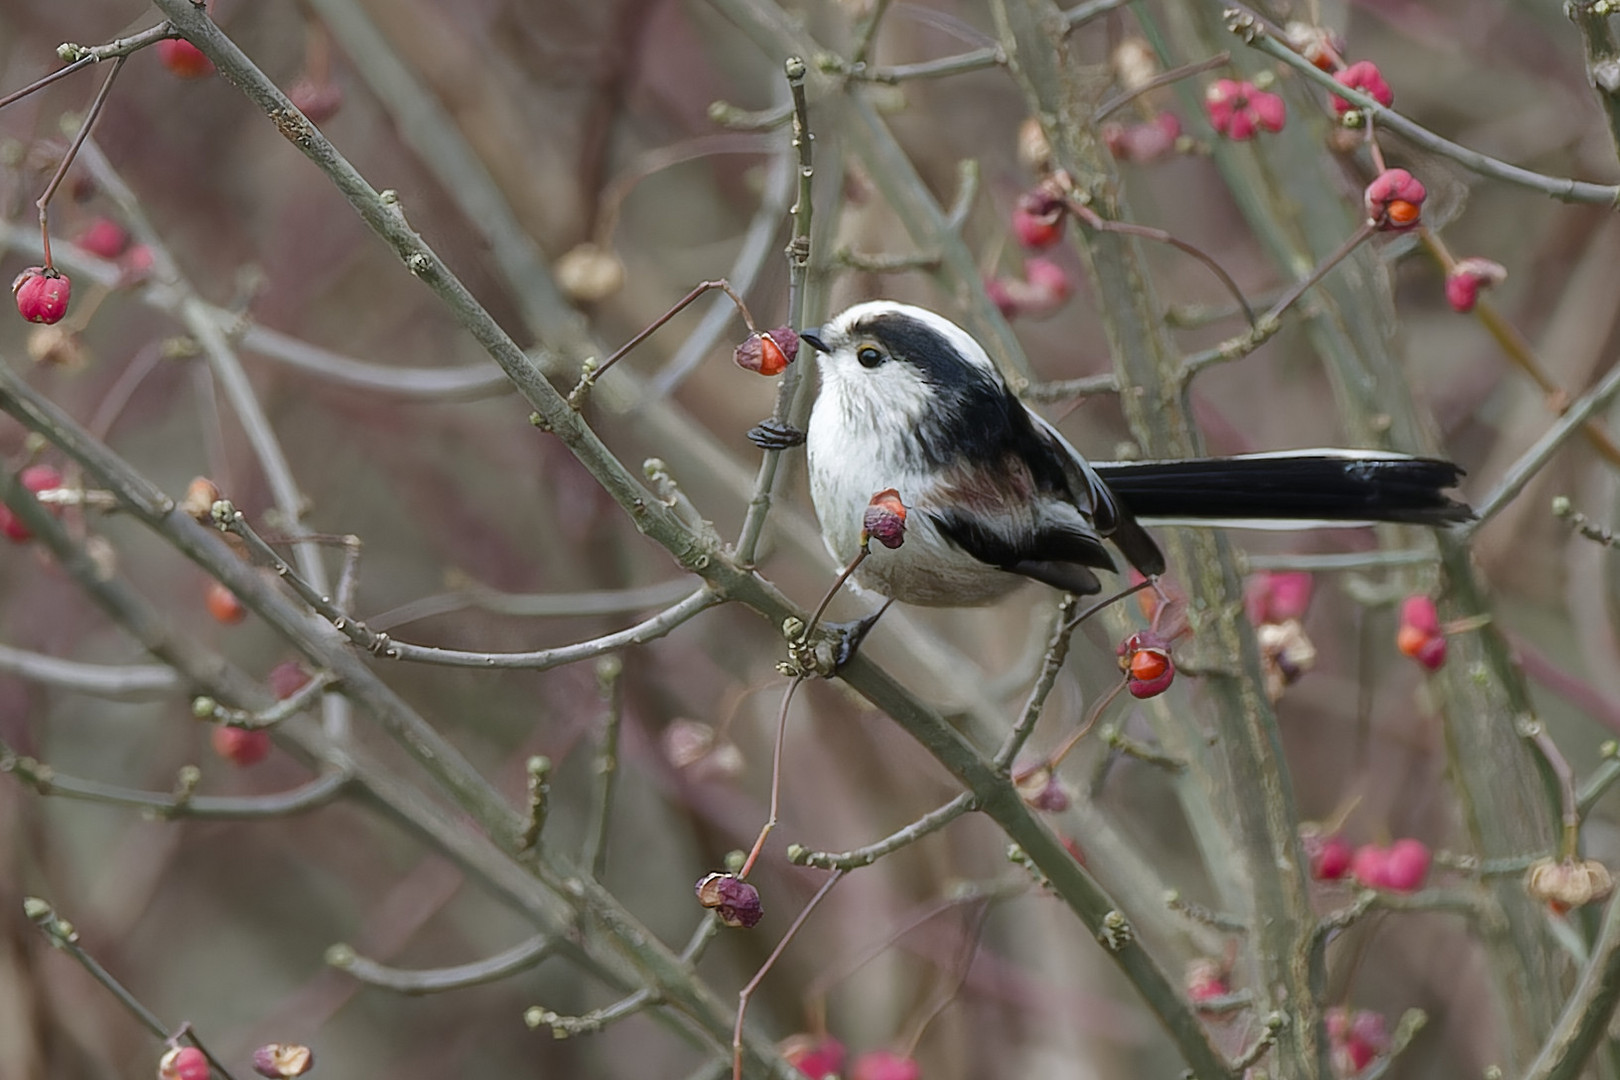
1291	488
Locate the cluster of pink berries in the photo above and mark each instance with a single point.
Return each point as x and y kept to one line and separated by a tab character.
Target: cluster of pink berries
1398	867
275	1061
1275	602
822	1057
1038	221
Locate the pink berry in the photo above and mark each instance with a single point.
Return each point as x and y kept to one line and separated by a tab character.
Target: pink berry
1420	613
183	1063
183	59
104	238
1467	278
1363	75
1238	110
1394	200
884	1065
819	1057
318	101
1275	596
42	294
1049	279
240	746
1406	865
286	679
1369	865
1331	858
1038	218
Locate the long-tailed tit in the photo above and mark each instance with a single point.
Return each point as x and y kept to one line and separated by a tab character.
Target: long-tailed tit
910	401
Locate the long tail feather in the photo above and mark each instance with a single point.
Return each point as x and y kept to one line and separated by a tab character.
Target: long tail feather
1303	485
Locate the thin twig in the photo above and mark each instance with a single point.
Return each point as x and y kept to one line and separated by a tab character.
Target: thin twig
929	823
520	957
61	933
747	991
1565	190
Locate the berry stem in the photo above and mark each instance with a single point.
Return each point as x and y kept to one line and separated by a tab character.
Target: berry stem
72	152
1164	78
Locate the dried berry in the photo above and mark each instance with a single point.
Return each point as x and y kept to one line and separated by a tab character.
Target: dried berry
42	294
588	273
1568	883
282	1061
183	59
885	519
768	353
732	898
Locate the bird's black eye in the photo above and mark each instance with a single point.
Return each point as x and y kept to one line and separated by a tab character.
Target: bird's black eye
869	356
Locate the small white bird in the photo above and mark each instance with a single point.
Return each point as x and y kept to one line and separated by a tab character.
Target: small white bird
995	495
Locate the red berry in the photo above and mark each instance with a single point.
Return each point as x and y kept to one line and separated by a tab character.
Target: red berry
818	1057
105	238
223	604
1419	611
1363	75
1038	218
1144	142
183	1063
1330	857
1145	659
241	746
183	59
286	679
1406	865
42	294
884	1065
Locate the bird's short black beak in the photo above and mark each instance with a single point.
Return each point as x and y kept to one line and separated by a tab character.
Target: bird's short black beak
812	338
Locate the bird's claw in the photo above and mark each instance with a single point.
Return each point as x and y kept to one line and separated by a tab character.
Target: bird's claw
772	435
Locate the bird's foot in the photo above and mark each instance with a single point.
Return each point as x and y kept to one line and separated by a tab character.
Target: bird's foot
771	435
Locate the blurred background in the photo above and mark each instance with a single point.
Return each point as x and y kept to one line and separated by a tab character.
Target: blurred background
592	122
